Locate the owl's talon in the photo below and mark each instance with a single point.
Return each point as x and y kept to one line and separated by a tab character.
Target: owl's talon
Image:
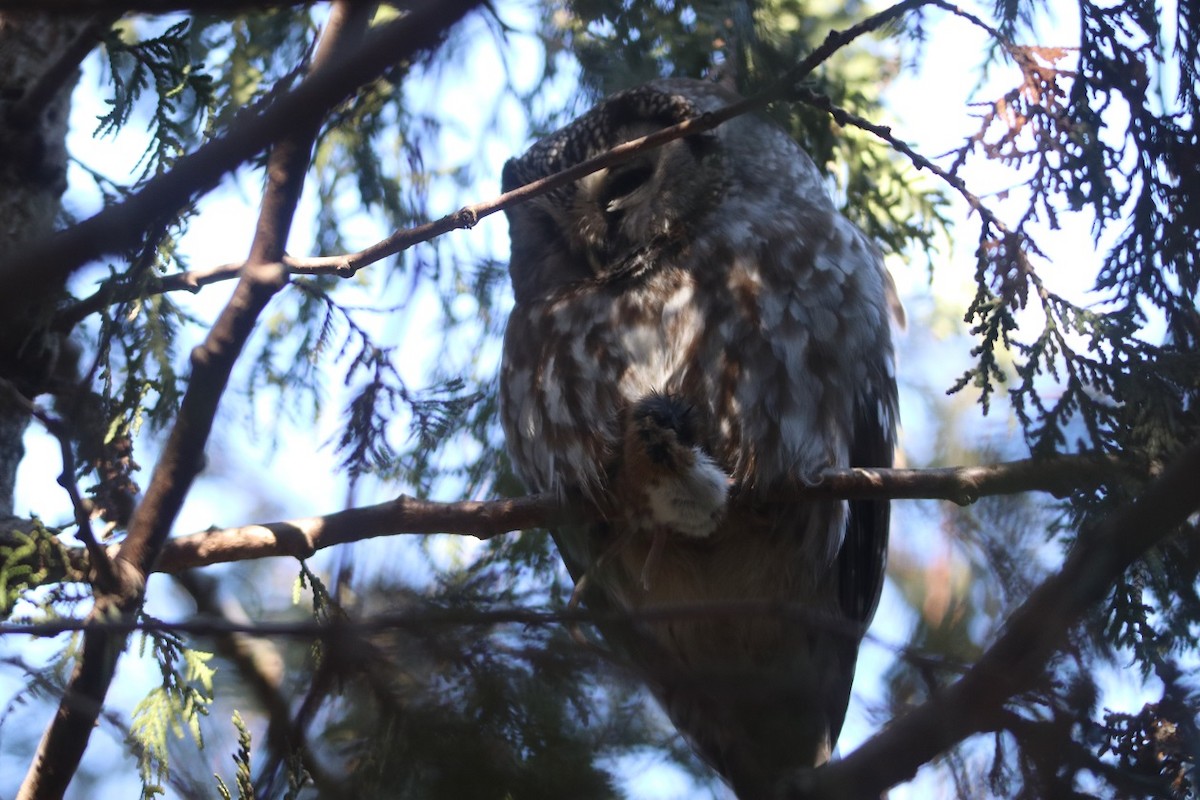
666	467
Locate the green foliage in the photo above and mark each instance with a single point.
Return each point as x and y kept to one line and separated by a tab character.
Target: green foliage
170	708
241	760
30	560
251	57
751	44
1091	131
324	607
1113	389
184	92
1091	378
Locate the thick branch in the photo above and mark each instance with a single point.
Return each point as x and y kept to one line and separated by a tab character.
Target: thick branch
62	71
1031	636
45	264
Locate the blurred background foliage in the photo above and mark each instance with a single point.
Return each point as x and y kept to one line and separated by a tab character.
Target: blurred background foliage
392	373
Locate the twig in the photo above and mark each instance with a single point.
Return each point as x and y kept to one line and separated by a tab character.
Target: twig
845	118
1031	636
424	619
101	564
468	216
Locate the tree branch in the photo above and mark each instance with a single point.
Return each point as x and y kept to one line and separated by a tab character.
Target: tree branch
346	265
42	265
63	744
1034	632
305	536
431	617
847	119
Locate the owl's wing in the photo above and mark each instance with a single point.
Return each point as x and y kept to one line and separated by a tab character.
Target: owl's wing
863	556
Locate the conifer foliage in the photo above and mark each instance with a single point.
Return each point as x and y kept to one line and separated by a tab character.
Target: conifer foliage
381	650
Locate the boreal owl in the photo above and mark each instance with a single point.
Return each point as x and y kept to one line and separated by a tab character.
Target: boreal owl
698	331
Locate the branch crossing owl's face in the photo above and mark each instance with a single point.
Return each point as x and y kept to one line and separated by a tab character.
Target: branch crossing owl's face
615	222
696	330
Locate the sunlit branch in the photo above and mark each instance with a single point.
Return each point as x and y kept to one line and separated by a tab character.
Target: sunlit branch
348	264
304	537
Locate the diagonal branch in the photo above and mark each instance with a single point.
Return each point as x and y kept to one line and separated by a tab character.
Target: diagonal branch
63	744
846	119
1031	636
348	264
35	269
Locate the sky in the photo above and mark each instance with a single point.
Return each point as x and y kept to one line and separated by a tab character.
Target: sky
930	106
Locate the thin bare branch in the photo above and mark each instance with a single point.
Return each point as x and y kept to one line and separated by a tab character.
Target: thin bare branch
431	617
847	119
102	565
1018	657
346	265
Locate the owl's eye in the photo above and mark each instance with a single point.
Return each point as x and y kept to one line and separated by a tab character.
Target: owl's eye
625	182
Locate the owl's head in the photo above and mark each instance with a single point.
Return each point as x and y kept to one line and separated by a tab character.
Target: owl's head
617	222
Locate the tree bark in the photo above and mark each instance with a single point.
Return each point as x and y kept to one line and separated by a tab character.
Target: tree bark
34	54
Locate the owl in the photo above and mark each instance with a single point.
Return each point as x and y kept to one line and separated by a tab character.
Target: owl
697	332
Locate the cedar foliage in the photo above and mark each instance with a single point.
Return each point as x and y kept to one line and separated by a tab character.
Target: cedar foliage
1104	127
